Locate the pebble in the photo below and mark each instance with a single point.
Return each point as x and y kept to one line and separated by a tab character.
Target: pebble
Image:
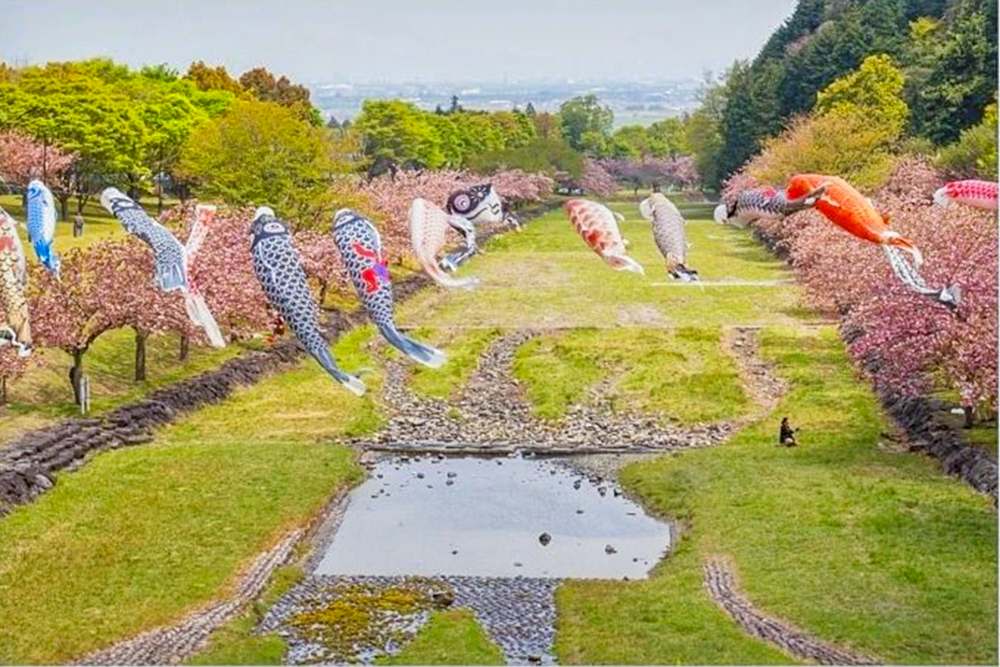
490	412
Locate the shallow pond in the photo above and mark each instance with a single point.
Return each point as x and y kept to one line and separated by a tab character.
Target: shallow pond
495	518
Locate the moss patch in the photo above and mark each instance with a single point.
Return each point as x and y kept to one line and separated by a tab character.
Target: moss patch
363	620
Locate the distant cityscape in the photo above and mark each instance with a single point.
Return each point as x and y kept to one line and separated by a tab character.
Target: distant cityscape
633	102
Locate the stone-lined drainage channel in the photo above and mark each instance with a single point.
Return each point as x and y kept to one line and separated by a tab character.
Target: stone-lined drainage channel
517	572
495	535
474	502
720	582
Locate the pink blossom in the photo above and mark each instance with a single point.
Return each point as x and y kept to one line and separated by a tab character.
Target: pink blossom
906	342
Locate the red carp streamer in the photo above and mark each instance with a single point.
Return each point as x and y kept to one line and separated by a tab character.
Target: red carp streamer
978	194
598	226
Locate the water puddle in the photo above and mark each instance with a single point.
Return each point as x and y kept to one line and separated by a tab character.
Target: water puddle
485	517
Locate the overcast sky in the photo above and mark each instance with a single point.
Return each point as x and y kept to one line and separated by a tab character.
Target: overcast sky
316	41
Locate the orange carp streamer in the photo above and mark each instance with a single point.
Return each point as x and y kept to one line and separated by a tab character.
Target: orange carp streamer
850	210
598	226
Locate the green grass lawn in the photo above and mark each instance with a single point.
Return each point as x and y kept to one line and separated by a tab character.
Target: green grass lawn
139	536
43	395
869	548
844	536
680	373
451	637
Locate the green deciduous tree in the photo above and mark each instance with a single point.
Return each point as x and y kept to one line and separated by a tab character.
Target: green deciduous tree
874	92
262	153
703	133
263	85
398	133
584	114
213	78
553	157
975	152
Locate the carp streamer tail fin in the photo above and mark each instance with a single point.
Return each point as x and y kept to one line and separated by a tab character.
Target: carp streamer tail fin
894	239
443	279
170	277
199	313
626	263
684	274
424	354
351	383
950	296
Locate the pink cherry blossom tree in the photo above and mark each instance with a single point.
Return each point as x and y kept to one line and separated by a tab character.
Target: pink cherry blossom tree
23	158
12	367
72	312
906	343
596	180
321	261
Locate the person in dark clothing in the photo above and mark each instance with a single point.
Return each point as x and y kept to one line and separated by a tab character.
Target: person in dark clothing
787	435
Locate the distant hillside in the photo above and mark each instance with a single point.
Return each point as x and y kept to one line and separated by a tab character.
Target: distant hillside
947	49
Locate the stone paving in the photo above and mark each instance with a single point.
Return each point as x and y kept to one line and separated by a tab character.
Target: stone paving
720	583
517	613
491	414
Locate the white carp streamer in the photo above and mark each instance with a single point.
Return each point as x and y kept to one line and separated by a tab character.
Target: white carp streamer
429	226
194	302
669	234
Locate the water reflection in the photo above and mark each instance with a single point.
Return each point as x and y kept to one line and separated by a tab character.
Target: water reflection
492	517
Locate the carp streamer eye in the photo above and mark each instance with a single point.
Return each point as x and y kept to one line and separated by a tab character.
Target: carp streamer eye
274	228
462	203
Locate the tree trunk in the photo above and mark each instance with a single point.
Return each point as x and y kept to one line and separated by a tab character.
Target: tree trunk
185	347
63	204
140	355
970	416
76	376
322	294
3	391
159	183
